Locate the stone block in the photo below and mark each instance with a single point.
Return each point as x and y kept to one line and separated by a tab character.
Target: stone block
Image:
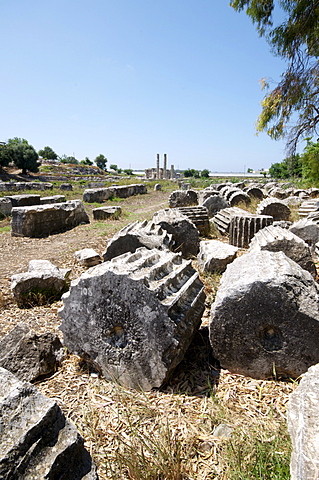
199	217
303	426
308	230
43	220
222	219
214	256
183	198
243	227
265	319
136	235
53	199
135	316
36	440
184	233
66	187
277	239
88	257
107	213
214	203
273	207
5	207
29	355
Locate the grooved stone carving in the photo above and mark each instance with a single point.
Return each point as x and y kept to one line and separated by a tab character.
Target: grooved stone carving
303	426
255	192
43	220
244	227
265	318
307	207
36	440
134	316
239	197
275	208
276	239
136	235
182	229
183	198
199	217
223	218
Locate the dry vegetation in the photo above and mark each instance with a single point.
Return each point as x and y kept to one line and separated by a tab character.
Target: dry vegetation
205	424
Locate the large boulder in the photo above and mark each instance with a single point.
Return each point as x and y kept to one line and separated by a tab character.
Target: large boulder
36	440
308	230
42	282
135	316
43	220
29	355
265	319
303	426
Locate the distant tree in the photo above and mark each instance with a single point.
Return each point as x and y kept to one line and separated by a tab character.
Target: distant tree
22	155
86	161
4	156
128	171
119	170
279	170
191	172
113	167
101	161
250	170
48	153
310	161
69	159
204	173
289	167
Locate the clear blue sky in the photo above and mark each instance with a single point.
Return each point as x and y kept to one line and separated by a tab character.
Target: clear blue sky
131	79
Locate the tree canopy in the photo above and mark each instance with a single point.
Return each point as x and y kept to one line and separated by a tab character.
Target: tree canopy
101	161
291	109
48	153
23	155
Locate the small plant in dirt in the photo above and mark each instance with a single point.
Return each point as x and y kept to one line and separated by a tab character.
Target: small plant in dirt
40	297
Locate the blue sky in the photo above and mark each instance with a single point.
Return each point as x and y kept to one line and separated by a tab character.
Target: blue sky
131	79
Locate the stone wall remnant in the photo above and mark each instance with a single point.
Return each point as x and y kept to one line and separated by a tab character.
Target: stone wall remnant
99	195
135	316
43	220
265	319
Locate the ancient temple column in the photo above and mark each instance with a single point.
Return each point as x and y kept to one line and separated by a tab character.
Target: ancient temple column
165	167
157	166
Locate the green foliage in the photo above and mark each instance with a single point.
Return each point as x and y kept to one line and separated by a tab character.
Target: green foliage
289	167
48	153
204	173
101	161
4	156
69	159
22	155
310	161
191	172
113	167
86	161
290	109
128	171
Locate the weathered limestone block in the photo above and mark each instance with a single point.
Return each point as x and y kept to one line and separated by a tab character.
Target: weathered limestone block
278	193
223	218
239	197
53	199
265	318
24	200
5	207
136	235
276	239
206	193
275	208
105	213
157	187
184	232
303	426
134	316
214	256
36	440
244	227
183	198
88	257
199	217
66	186
293	201
43	220
229	191
29	355
308	230
215	203
20	186
42	279
96	195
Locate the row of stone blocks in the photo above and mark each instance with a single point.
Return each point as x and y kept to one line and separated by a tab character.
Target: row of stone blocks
99	195
25	200
20	186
